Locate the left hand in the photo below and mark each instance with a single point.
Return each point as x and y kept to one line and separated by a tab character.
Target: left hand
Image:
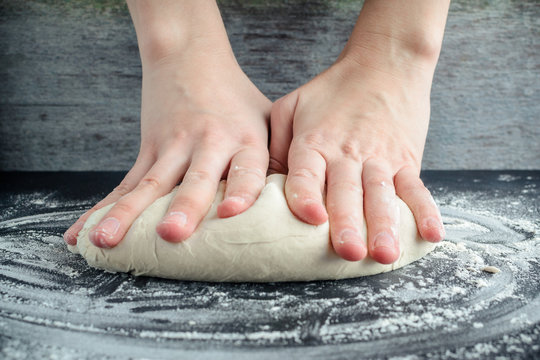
360	129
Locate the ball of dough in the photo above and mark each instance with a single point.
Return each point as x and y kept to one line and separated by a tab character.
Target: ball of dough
265	243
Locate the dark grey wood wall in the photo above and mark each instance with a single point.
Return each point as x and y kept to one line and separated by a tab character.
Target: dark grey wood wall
70	78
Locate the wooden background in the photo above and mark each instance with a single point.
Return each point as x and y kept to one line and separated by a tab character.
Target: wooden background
70	78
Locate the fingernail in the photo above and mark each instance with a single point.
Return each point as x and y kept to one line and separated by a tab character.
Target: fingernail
175	217
310	201
434	223
69	238
104	231
383	239
349	236
236	199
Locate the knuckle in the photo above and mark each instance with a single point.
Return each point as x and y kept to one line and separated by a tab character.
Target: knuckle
123	188
151	182
376	165
124	207
242	194
212	136
346	185
379	180
381	220
186	204
342	218
414	188
238	171
180	135
351	149
304	173
250	139
314	140
197	176
177	141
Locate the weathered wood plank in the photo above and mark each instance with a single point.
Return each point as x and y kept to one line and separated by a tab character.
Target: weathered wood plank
70	76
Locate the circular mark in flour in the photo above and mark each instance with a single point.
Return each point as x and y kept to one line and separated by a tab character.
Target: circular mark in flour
444	301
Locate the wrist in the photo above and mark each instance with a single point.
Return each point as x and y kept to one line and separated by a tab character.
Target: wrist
172	29
400	34
418	47
387	55
161	47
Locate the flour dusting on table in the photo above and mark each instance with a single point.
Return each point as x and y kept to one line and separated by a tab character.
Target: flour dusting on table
444	306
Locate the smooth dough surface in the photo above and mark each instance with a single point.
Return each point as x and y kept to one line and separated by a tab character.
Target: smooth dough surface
265	243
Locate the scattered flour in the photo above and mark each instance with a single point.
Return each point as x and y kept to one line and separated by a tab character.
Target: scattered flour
446	300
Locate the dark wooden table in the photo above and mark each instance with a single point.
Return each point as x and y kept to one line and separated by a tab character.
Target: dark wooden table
443	306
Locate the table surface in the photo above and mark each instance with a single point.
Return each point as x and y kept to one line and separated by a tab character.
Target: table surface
442	306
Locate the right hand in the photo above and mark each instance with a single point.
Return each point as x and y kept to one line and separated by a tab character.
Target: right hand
201	119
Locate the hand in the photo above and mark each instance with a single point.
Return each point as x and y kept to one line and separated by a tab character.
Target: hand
359	128
201	119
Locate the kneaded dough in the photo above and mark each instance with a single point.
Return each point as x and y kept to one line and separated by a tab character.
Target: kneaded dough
265	243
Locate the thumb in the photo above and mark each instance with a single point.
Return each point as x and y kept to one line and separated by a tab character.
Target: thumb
281	132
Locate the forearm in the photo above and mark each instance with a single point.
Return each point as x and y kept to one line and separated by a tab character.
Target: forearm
168	27
398	32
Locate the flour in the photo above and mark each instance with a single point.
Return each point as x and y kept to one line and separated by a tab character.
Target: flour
445	298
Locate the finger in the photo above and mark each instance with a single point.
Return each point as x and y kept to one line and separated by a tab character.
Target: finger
194	197
158	181
411	189
245	180
141	167
281	120
381	211
305	184
344	204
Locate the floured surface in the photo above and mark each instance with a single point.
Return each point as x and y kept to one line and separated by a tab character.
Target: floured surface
264	243
442	306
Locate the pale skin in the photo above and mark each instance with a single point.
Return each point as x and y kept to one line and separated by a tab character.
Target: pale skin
350	140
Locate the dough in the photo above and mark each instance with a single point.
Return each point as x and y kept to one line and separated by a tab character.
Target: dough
265	243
